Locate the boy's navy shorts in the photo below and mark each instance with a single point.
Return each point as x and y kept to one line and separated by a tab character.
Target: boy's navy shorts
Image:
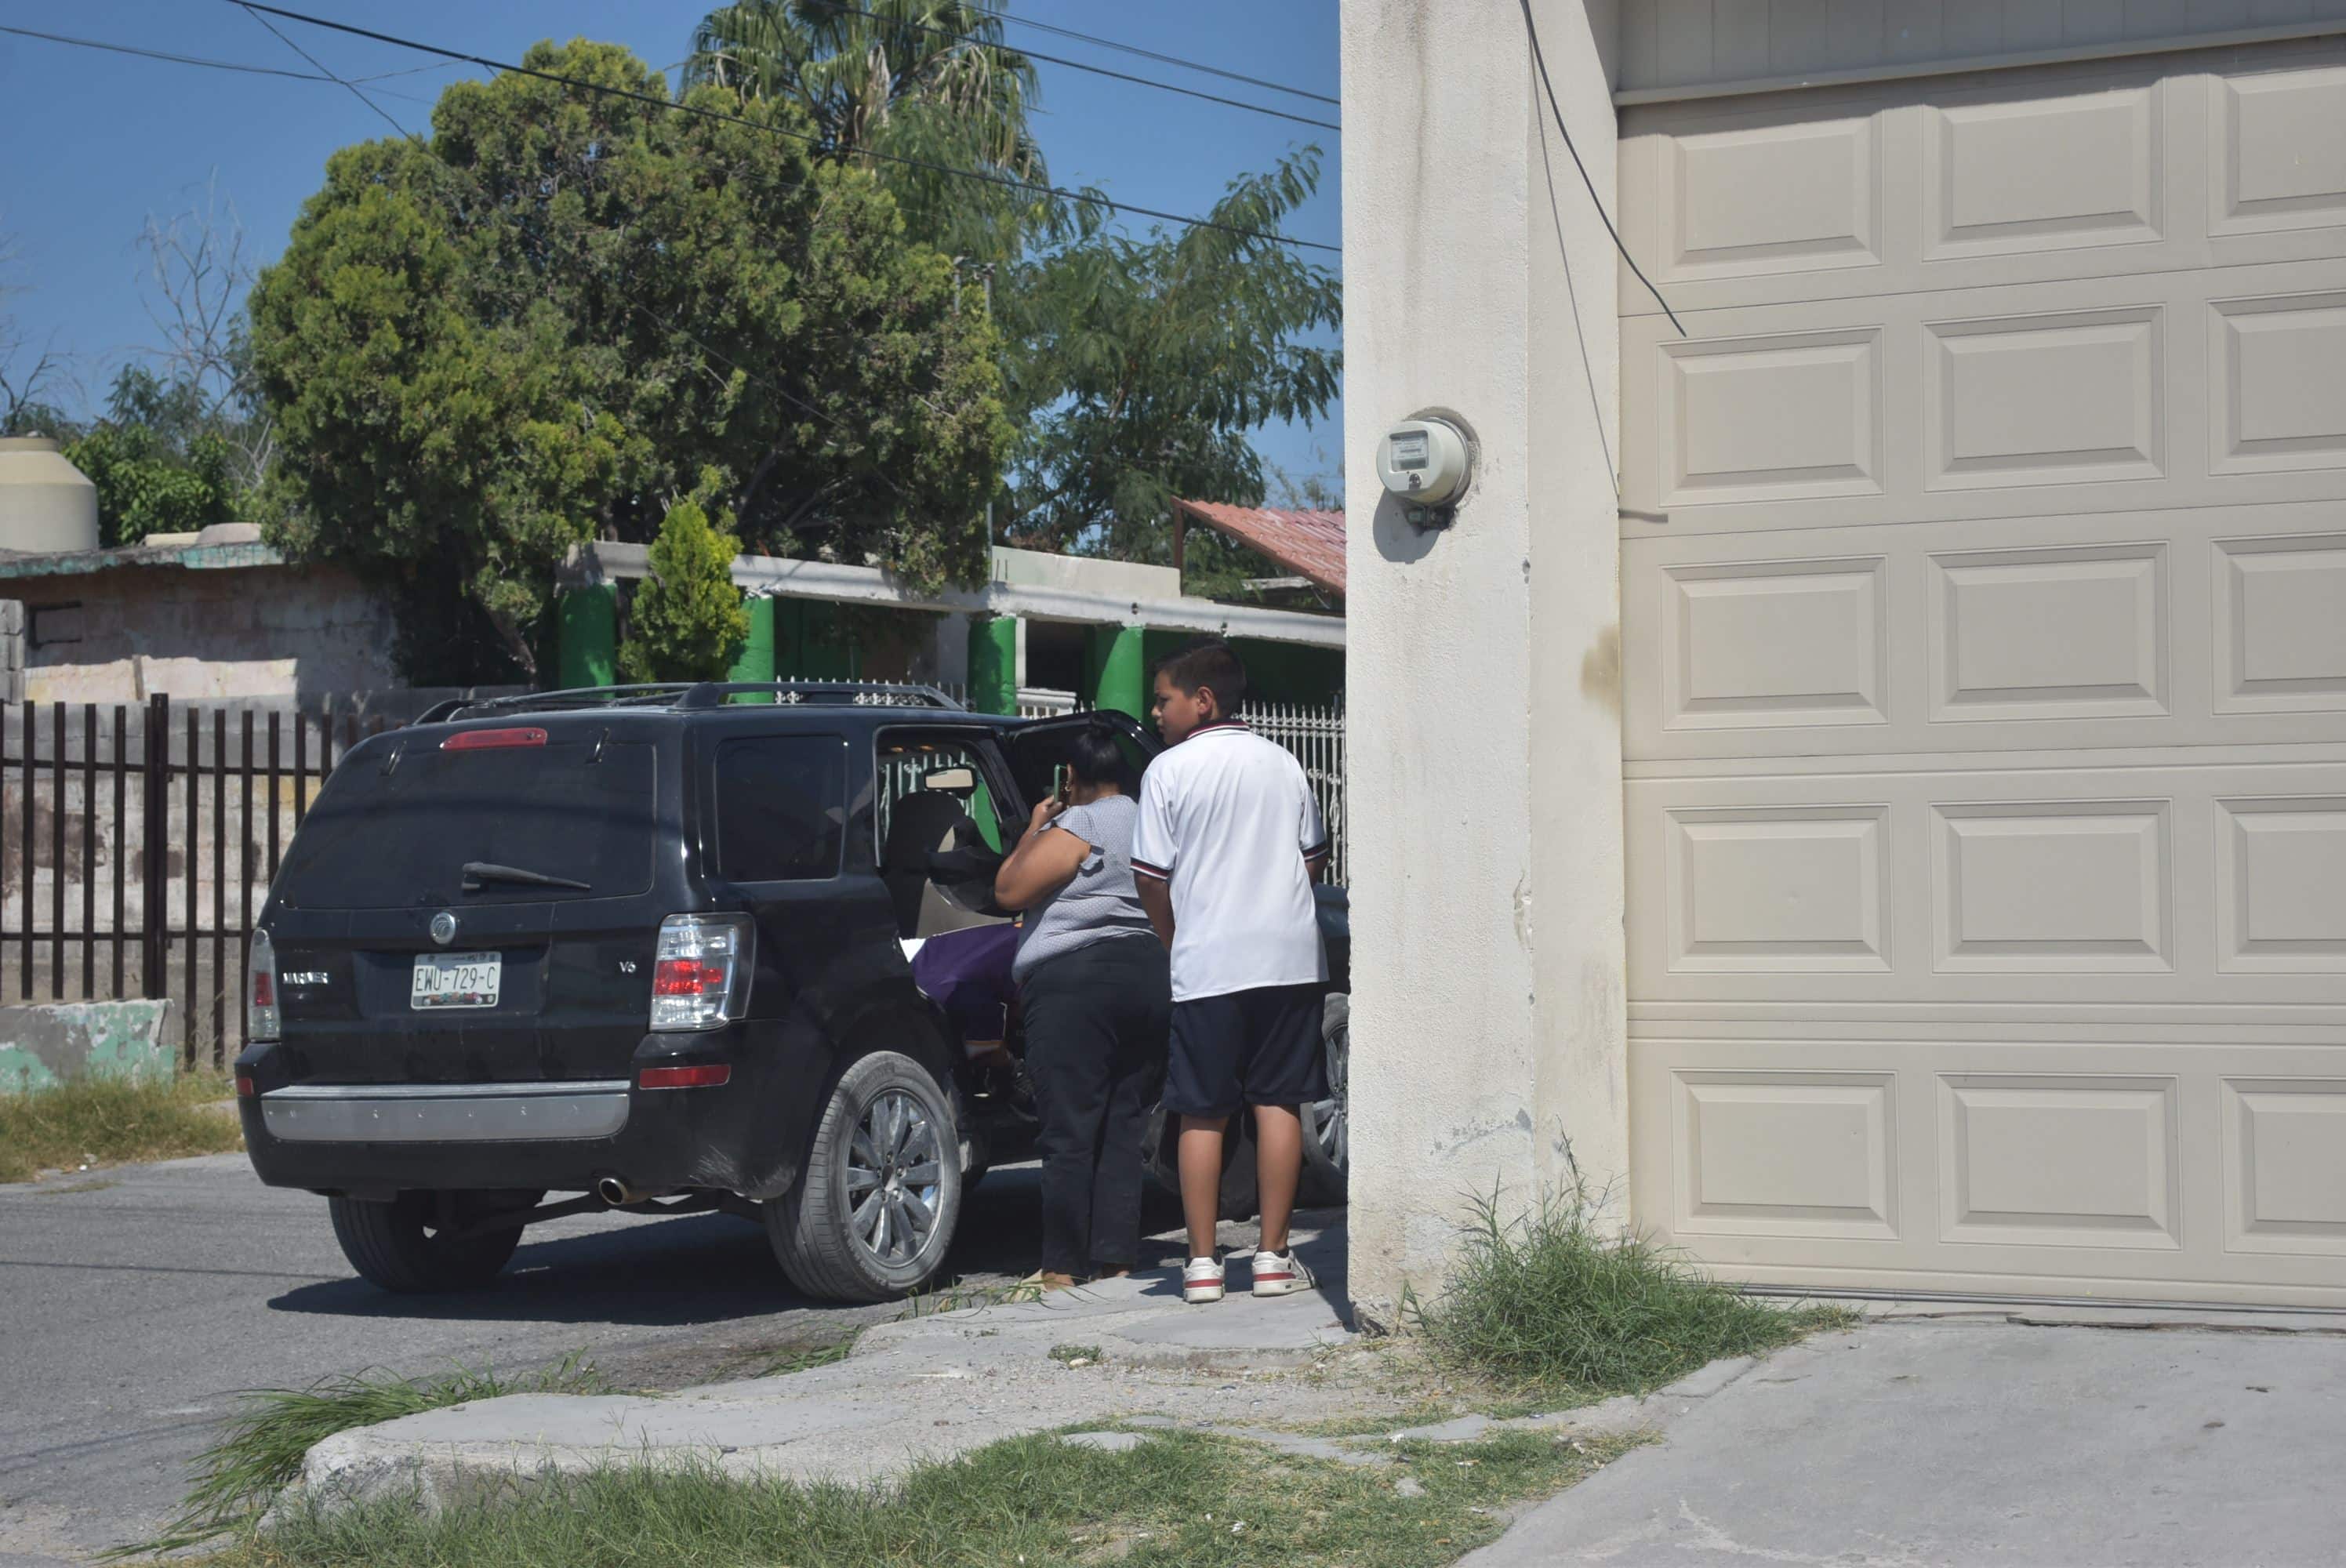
1258	1047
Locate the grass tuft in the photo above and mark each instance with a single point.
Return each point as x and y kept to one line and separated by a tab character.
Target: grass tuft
1076	1355
111	1121
1177	1500
238	1477
1556	1299
806	1358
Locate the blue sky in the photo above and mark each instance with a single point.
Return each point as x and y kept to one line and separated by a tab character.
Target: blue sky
98	142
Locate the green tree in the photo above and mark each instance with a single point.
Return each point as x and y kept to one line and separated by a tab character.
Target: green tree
156	462
929	80
487	349
1135	368
1138	367
685	622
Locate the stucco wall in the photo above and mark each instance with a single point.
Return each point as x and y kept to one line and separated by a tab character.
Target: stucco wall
1482	680
271	631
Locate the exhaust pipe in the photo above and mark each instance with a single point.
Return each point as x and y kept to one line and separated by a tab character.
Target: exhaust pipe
617	1193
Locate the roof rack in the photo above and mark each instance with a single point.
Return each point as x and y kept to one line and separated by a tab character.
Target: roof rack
821	693
692	694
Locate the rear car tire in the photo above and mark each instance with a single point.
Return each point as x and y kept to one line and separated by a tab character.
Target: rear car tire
403	1248
873	1213
1327	1123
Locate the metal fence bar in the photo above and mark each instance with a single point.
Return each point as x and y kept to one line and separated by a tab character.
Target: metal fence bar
195	750
89	843
273	794
220	885
56	850
26	858
300	780
121	835
244	886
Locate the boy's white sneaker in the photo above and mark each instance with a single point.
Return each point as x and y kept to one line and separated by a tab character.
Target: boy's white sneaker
1201	1281
1281	1274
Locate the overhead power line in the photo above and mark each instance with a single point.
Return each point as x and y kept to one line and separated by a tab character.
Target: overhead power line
1096	70
1003	182
1171	59
1557	111
388	118
166	55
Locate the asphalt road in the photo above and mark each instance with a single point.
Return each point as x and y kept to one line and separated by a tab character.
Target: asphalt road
134	1303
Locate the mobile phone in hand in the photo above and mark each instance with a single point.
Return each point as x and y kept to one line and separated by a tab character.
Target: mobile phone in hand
1062	778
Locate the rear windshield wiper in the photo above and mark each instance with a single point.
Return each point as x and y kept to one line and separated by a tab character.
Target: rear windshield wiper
478	874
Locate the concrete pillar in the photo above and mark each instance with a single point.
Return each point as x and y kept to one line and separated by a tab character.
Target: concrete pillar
756	660
994	664
1482	683
589	636
1120	670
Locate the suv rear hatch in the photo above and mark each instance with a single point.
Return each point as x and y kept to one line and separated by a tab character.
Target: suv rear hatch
470	905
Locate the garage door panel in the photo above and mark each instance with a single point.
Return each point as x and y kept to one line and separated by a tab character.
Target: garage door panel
1983	590
2115	1165
2161	886
2207	388
2206	628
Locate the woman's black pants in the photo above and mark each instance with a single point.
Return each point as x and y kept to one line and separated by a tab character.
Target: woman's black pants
1097	1020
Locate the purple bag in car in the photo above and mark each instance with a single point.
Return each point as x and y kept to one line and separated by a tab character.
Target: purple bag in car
967	972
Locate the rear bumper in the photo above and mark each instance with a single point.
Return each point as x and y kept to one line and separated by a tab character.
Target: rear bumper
444	1113
748	1136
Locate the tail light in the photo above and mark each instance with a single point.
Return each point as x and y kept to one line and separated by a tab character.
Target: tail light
704	1075
701	977
260	991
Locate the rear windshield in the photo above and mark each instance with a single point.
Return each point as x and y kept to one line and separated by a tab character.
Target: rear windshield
392	840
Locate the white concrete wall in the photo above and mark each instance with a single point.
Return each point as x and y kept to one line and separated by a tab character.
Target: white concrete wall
1482	669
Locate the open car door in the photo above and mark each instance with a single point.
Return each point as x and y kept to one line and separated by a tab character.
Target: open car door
1037	748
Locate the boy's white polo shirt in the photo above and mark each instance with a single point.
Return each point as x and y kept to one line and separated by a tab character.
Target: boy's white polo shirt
1227	819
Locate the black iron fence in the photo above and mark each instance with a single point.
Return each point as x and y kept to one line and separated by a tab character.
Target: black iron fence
137	844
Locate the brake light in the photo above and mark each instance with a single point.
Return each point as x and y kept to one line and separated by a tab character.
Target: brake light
492	740
701	974
265	1022
244	1089
711	1076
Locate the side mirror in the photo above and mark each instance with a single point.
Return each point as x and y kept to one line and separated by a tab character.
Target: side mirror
952	781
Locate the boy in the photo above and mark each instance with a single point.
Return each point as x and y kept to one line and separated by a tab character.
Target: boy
1229	844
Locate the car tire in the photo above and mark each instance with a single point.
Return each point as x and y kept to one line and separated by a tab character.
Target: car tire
401	1248
831	1242
1327	1124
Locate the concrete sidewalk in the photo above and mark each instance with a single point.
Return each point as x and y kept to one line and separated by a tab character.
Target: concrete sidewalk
1911	1443
922	1388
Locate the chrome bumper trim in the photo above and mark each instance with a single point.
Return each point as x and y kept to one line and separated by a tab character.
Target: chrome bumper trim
444	1113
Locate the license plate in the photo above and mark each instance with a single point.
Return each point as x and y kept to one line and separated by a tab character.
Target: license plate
457	979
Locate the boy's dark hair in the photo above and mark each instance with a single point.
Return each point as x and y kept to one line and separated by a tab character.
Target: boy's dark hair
1093	758
1212	666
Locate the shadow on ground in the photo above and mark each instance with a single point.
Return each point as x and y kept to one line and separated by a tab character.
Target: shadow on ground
694	1270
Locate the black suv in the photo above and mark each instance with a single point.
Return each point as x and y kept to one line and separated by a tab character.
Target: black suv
650	945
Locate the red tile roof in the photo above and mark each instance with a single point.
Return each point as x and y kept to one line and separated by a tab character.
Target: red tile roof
1309	543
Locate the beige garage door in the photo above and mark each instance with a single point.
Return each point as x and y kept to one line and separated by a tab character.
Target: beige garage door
1984	595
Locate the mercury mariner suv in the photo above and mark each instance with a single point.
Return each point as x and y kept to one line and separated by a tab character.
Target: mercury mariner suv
646	949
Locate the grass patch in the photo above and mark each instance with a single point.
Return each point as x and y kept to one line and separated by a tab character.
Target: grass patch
1557	1302
960	1296
238	1477
804	1358
1178	1499
1076	1355
113	1121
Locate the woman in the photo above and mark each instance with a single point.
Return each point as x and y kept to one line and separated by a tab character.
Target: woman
1097	992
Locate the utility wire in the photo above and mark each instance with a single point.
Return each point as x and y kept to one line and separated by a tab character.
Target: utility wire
1170	59
356	92
1557	111
163	55
1096	70
1007	182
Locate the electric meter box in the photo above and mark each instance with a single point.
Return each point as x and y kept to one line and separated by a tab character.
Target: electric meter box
1424	462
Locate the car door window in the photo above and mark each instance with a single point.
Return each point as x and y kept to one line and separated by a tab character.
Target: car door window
781	808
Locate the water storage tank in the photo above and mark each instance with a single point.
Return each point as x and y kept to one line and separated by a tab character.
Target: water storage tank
46	504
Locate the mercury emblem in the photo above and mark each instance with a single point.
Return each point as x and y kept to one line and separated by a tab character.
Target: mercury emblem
444	928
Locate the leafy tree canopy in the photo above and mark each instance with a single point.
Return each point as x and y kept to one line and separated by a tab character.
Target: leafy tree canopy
518	337
1137	367
157	461
686	622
